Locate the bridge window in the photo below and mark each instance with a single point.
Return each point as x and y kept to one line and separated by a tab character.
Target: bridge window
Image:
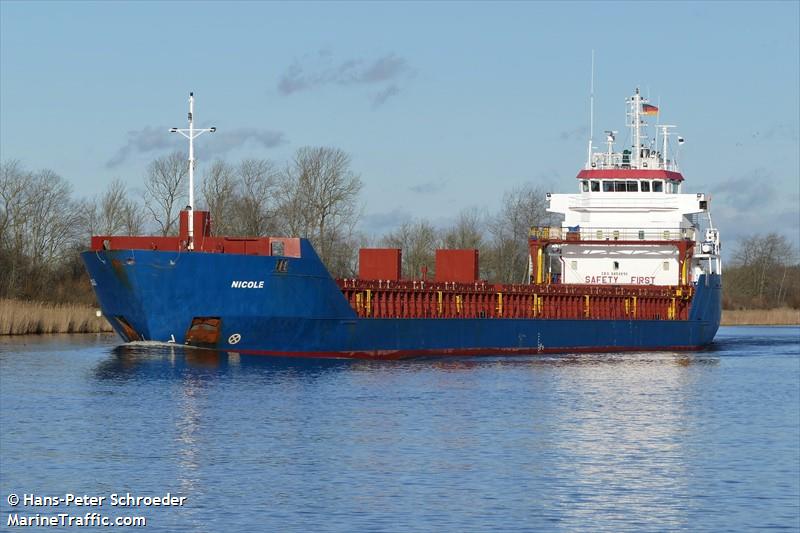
619	186
595	186
585	186
608	186
645	186
658	186
632	187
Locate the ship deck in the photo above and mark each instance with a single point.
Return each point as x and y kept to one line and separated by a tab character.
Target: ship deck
425	299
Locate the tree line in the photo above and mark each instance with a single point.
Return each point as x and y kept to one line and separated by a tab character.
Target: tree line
763	274
315	195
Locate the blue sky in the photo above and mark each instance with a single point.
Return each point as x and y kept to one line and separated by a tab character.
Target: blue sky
442	106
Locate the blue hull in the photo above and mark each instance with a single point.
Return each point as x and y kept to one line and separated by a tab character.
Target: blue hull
302	312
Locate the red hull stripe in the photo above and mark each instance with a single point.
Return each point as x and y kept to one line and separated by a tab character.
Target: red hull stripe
629	174
388	355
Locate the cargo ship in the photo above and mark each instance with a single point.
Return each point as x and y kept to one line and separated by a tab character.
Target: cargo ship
634	266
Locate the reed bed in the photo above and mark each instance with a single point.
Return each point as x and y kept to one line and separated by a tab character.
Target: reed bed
19	317
781	316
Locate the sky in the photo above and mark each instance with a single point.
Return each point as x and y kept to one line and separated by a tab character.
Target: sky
442	106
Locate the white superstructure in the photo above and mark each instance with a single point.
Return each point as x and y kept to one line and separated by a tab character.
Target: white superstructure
629	223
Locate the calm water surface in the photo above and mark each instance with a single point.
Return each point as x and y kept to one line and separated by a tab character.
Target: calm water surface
706	441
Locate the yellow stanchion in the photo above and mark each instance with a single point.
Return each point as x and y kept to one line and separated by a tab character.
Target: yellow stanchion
539	266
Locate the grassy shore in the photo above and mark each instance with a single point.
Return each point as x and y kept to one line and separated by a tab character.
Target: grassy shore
20	318
782	316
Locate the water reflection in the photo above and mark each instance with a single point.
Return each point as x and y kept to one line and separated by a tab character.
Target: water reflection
573	442
608	426
136	361
618	437
188	425
132	361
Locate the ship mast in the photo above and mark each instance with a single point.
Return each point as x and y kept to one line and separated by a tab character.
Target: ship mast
637	132
591	116
665	140
191	133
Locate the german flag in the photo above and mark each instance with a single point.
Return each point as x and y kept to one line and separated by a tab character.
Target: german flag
648	109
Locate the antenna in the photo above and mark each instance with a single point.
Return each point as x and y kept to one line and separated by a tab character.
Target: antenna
591	115
665	134
191	133
637	122
611	136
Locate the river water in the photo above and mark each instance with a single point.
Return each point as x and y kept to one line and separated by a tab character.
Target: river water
705	441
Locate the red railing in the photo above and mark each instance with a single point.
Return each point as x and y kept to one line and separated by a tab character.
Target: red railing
420	299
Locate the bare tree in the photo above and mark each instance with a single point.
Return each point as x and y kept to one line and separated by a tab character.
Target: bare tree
165	191
133	218
343	258
418	241
39	224
14	212
42	229
257	199
522	207
106	214
761	271
112	206
468	230
14	203
319	199
219	193
53	220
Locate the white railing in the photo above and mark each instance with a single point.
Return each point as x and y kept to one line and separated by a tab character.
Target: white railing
602	160
580	233
650	160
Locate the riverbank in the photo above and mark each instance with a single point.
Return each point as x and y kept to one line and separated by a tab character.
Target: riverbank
20	318
782	316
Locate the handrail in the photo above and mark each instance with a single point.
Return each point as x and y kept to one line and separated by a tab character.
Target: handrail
593	233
